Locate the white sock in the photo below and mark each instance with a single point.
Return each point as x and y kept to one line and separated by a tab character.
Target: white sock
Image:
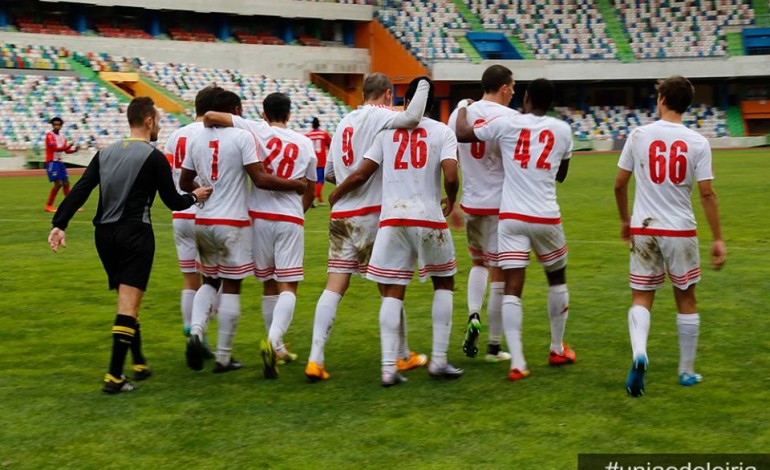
441	313
638	329
284	312
227	325
688	325
495	312
390	318
268	307
202	305
188	295
477	288
217	301
402	336
512	323
558	311
325	313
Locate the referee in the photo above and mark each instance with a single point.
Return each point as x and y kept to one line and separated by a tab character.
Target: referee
129	173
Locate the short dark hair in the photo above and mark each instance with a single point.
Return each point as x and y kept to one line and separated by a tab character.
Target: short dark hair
375	85
677	92
204	100
413	89
494	77
540	92
226	101
316	123
139	109
56	119
277	107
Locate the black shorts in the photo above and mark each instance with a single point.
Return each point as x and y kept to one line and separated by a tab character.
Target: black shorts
126	251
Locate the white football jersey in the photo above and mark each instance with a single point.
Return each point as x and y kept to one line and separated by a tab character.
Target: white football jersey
176	148
481	163
532	149
410	161
255	127
218	156
286	154
354	135
666	159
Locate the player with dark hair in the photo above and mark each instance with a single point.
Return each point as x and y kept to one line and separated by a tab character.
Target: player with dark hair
412	229
55	145
536	149
354	220
321	142
128	173
482	168
667	159
177	147
278	225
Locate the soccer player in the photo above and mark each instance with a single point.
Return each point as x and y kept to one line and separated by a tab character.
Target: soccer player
354	220
177	147
321	142
225	158
278	224
667	159
412	229
536	149
482	167
128	173
55	144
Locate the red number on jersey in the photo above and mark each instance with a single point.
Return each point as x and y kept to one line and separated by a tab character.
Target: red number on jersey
403	136
418	149
677	162
521	153
274	145
179	152
286	165
478	149
547	138
214	145
347	146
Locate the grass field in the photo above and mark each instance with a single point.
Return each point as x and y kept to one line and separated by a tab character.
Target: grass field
56	315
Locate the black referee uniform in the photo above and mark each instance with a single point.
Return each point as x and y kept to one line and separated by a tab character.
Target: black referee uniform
129	174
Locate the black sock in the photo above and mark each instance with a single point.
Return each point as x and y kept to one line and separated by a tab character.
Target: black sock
123	332
136	347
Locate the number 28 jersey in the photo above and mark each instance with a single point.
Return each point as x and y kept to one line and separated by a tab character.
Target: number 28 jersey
667	159
532	149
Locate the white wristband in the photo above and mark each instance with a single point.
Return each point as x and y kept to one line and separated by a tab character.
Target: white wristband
462	104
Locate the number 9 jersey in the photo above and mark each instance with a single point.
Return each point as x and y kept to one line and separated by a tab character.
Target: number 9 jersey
667	159
532	149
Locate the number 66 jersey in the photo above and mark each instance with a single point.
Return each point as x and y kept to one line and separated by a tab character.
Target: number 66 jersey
532	149
666	159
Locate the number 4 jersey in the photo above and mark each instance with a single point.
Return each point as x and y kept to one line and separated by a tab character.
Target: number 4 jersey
532	149
176	150
666	159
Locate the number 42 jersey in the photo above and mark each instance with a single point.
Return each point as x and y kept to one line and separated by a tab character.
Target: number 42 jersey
532	148
667	159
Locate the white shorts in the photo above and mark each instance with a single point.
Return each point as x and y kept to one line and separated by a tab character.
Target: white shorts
184	238
350	243
481	231
396	250
653	256
278	248
516	238
224	251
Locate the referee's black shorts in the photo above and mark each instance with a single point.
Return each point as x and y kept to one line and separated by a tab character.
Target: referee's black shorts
126	251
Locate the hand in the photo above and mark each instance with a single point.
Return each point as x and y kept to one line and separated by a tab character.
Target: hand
464	103
448	206
625	232
56	239
302	187
718	254
203	193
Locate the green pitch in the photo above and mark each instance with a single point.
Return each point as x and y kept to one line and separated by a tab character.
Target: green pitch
56	315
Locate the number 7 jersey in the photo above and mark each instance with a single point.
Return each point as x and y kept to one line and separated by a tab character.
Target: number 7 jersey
667	159
532	149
